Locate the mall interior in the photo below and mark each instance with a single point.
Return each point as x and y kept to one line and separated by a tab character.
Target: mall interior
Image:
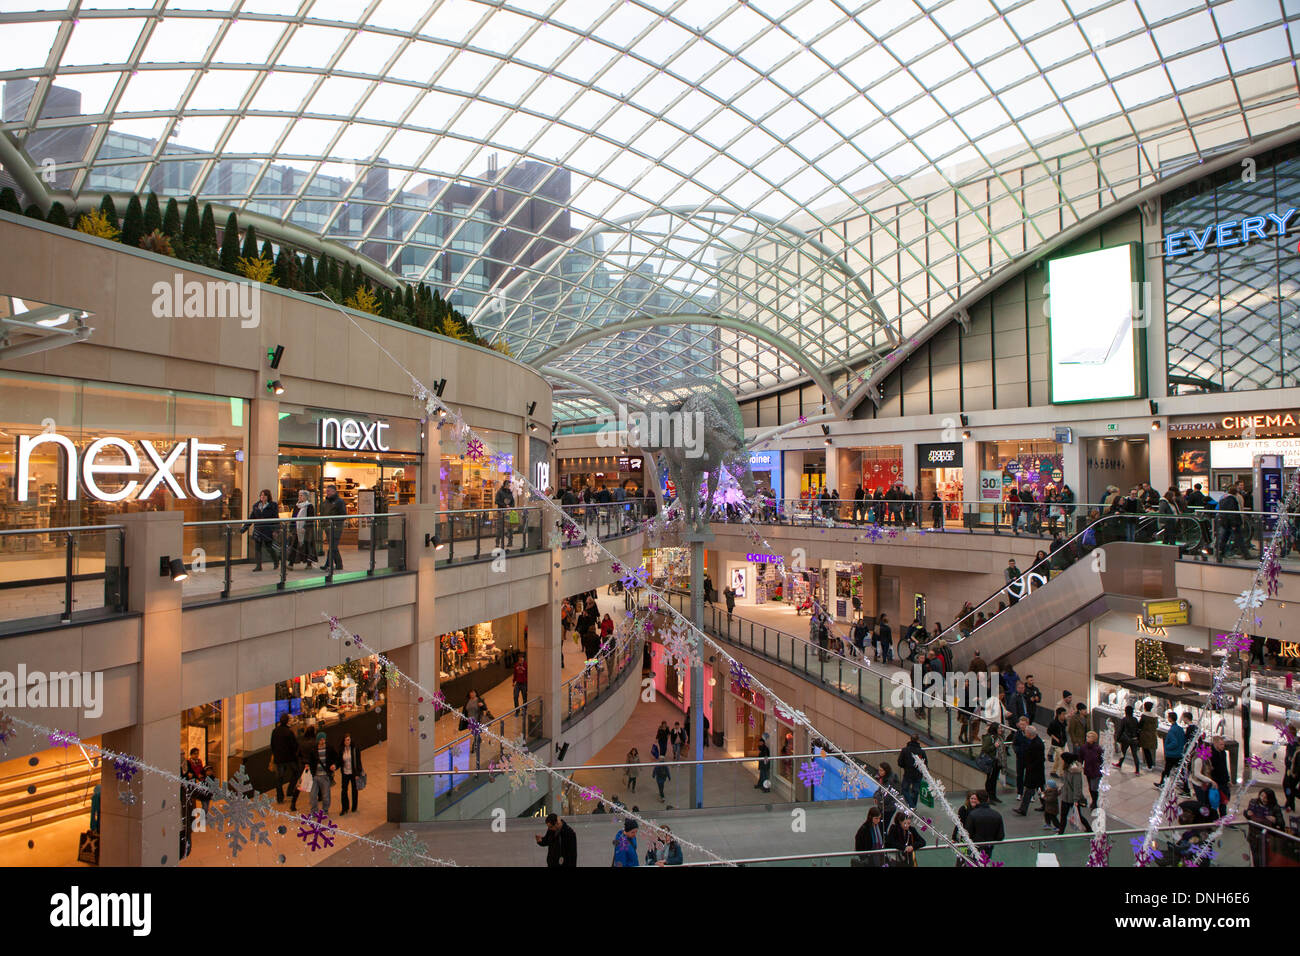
327	538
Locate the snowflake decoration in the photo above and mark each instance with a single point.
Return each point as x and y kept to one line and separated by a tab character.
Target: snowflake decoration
474	449
616	569
7	731
1099	851
891	533
392	674
125	768
64	738
791	716
336	629
500	461
517	764
1232	642
873	532
1284	730
803	419
1250	598
555	540
1144	855
591	551
317	830
590	793
648	625
1271	571
740	675
635	578
439	701
240	815
810	775
855	781
126	796
1203	752
1260	764
679	650
572	533
407	850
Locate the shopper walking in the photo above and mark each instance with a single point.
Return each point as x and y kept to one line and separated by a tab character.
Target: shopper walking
1073	795
1129	729
730	594
908	759
1148	735
560	841
984	824
992	759
302	542
264	510
474	710
1091	755
870	836
633	761
504	499
1175	740
520	681
334	508
352	776
662	776
284	748
764	765
322	761
1035	777
888	786
625	845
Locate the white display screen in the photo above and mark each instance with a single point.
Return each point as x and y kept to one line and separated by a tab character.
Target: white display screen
1093	340
1240	454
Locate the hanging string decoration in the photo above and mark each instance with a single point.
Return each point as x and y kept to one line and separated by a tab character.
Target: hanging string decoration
1099	815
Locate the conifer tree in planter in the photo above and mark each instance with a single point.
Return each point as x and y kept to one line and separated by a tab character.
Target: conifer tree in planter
9	201
58	216
250	244
109	209
189	244
348	285
133	223
153	218
34	211
267	252
308	269
230	245
171	222
205	251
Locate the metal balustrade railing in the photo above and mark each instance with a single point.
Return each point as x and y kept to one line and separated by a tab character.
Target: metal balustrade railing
582	692
50	575
456	764
326	547
476	534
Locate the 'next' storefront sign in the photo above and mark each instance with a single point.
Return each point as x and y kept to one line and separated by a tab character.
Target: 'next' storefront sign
1229	233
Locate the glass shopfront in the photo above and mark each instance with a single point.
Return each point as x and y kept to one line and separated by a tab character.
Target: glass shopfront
374	462
940	470
74	452
466	483
611	470
1017	465
1216	451
877	468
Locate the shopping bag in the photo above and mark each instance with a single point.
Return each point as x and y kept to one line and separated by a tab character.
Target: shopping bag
512	517
361	782
925	796
88	847
304	781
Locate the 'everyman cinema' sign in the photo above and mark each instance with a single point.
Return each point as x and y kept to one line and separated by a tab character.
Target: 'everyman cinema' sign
89	466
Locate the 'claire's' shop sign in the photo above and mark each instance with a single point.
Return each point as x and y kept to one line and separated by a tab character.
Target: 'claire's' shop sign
1231	232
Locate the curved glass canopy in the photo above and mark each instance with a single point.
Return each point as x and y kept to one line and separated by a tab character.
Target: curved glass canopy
770	191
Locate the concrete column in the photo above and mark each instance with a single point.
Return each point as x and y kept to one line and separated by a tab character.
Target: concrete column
148	833
1161	463
1074	466
411	742
544	676
264	445
911	475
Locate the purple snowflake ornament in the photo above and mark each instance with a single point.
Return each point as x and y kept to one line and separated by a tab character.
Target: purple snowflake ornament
317	830
810	774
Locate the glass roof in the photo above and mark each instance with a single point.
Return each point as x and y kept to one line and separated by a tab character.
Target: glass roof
768	191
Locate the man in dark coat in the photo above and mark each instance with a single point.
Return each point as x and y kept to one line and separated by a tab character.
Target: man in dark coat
284	748
984	824
560	841
334	507
907	760
1032	754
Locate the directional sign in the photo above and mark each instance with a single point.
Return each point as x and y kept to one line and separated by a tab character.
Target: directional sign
1166	613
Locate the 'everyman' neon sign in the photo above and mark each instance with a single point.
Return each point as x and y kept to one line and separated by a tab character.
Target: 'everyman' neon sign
1230	233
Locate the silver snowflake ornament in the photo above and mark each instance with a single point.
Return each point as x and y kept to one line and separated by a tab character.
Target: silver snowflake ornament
591	551
239	813
407	850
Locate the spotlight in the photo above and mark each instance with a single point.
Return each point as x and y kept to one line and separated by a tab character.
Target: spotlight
438	386
826	429
1155	426
275	385
174	567
828	441
273	355
442	414
1155	408
964	420
532	426
966	435
532	407
560	751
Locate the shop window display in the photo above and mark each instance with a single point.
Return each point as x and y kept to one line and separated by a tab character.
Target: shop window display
84	413
467	484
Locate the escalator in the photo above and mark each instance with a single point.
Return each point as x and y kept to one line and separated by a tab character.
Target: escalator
1115	564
